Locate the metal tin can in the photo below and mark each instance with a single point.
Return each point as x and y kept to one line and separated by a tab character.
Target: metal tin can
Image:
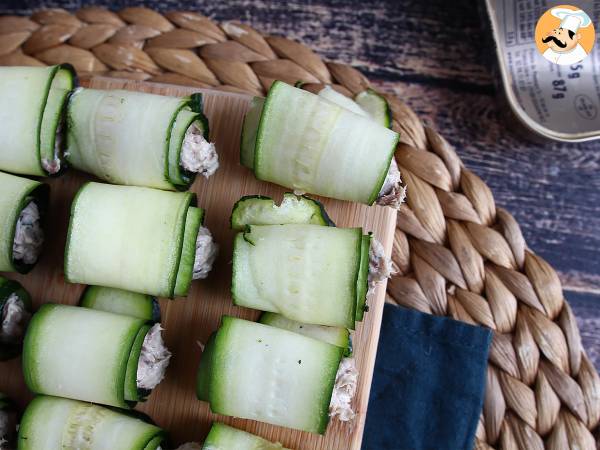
557	102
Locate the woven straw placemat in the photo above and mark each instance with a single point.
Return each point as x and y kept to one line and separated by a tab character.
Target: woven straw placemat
456	252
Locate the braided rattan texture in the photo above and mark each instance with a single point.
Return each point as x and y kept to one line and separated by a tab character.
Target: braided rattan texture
457	254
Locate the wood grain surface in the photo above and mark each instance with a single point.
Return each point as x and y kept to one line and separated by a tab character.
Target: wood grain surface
436	55
189	321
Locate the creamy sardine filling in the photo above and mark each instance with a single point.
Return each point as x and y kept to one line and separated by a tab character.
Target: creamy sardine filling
154	359
346	383
197	154
206	253
392	192
29	236
380	266
15	318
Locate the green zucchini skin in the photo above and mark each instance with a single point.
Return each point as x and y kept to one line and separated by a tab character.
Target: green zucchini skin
376	106
262	210
127	237
249	129
205	371
185	272
259	372
119	301
310	144
224	437
307	273
105	138
10	348
132	392
362	282
33	101
17	192
80	353
50	423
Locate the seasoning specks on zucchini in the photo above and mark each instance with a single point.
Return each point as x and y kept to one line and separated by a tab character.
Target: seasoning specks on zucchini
259	372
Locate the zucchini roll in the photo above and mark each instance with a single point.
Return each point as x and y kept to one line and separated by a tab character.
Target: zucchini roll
258	372
22	206
32	118
94	356
305	142
224	437
15	312
277	292
8	423
140	139
118	301
51	423
137	239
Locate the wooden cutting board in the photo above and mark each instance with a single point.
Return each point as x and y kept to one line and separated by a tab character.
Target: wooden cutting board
189	321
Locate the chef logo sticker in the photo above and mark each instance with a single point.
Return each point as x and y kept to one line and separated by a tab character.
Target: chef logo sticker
565	35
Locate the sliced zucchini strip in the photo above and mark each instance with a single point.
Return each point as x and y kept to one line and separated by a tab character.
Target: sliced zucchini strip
268	374
260	210
330	94
81	353
310	144
26	200
128	238
337	336
185	273
31	116
105	137
249	129
118	301
15	312
307	273
376	107
224	437
362	283
50	423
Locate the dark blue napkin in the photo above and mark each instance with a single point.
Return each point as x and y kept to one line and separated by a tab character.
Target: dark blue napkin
428	385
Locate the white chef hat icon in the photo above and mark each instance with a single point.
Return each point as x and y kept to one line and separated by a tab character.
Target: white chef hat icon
572	19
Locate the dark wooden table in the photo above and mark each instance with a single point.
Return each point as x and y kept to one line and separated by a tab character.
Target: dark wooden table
430	53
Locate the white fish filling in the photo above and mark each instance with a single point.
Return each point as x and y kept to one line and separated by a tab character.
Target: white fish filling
154	359
380	266
206	253
29	236
346	383
14	318
197	154
392	192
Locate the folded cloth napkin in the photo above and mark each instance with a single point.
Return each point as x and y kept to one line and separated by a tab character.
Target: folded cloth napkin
428	385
